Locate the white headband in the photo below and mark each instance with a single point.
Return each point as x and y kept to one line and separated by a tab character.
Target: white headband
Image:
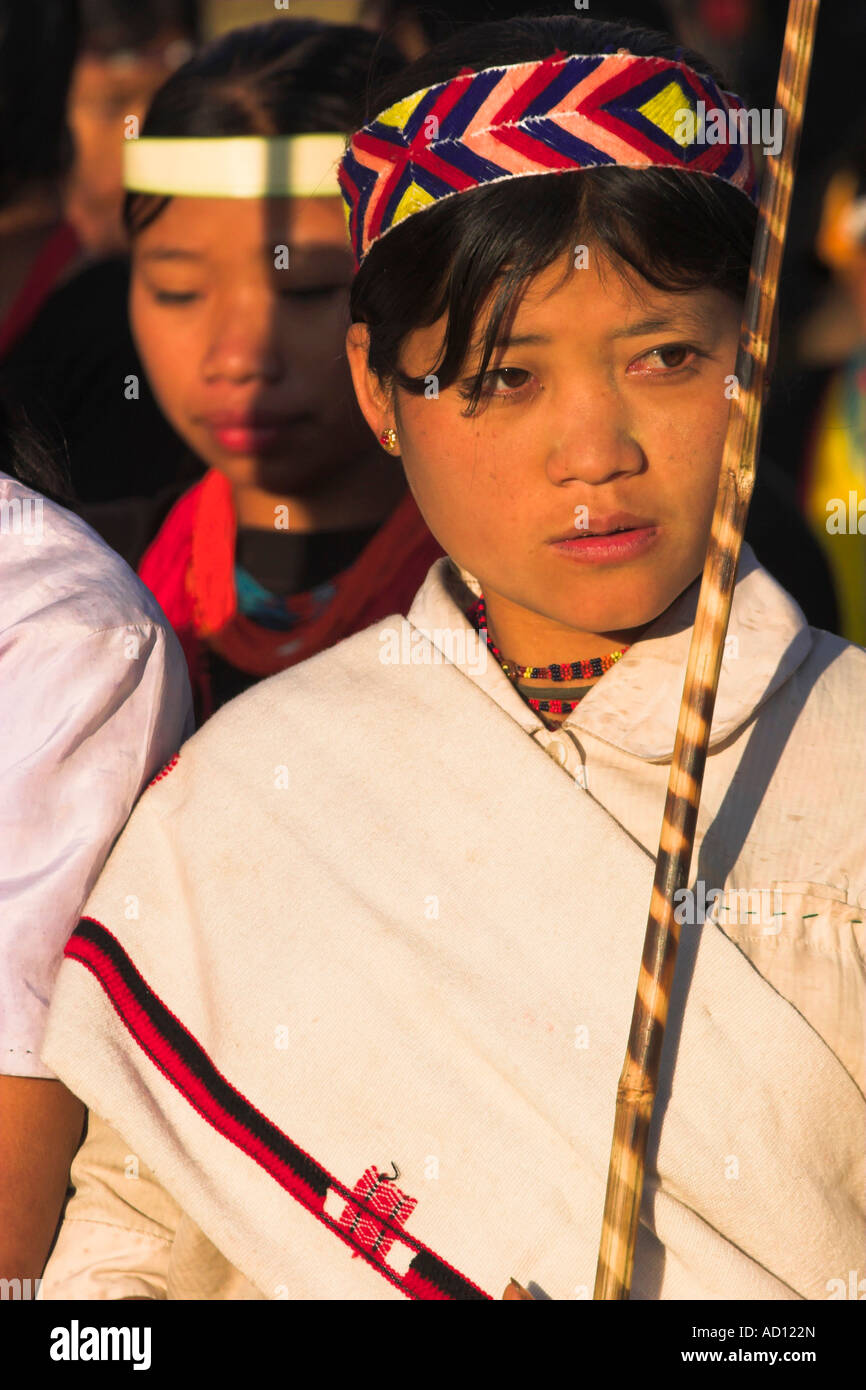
246	166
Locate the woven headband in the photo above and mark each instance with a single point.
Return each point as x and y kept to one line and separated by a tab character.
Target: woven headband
244	166
562	113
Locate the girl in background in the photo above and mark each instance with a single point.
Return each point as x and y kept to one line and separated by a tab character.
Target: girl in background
302	531
65	348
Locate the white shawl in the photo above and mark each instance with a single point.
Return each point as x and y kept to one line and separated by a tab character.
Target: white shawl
393	927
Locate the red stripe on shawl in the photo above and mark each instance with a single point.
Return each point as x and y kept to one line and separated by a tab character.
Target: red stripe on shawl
418	1287
182	1076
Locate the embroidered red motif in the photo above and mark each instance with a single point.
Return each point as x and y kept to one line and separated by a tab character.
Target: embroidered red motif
380	1193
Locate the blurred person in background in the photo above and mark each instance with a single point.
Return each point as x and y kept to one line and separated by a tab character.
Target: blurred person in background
827	425
69	364
302	530
744	38
127	50
38	248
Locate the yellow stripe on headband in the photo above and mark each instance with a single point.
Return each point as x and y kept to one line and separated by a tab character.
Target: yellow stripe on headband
246	166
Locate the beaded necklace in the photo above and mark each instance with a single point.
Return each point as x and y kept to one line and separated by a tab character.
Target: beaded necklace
558	671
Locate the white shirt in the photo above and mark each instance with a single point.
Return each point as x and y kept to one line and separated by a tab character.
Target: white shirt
94	700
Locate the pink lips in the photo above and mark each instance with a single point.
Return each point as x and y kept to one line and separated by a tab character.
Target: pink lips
249	432
608	539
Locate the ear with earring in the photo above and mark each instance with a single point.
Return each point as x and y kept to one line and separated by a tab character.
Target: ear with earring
388	440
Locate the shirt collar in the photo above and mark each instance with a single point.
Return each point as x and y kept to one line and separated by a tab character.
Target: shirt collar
635	705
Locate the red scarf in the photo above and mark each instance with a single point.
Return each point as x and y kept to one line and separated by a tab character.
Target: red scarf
189	567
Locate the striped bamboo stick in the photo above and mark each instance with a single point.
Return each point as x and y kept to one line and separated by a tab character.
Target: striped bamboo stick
638	1083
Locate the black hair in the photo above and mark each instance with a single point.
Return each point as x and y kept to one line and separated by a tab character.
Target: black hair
113	26
286	77
26	455
678	230
38	42
439	20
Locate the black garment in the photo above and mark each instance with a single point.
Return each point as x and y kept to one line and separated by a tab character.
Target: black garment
226	681
284	562
70	370
790	415
129	524
781	538
291	562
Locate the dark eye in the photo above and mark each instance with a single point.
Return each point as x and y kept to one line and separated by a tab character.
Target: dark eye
678	353
667	360
172	297
513	379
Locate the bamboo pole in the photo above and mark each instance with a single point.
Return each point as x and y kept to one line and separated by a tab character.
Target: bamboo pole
639	1079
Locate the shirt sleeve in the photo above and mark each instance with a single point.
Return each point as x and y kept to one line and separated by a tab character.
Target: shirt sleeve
85	723
117	1234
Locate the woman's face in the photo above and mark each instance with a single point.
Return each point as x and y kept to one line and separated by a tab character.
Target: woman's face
239	309
607	408
106	90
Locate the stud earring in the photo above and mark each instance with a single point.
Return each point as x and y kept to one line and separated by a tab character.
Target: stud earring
389	439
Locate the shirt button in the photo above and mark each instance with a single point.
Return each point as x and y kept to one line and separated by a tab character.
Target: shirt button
559	748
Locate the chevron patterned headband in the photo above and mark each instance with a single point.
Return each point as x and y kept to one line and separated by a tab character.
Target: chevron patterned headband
561	113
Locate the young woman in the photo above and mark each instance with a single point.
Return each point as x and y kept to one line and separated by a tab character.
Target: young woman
302	531
126	53
393	902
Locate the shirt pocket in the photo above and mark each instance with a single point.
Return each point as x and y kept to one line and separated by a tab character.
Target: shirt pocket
810	946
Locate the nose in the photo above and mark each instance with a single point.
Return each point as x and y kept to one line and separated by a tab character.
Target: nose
241	343
592	440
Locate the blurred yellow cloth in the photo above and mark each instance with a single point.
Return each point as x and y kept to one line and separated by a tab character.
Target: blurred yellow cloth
835	470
